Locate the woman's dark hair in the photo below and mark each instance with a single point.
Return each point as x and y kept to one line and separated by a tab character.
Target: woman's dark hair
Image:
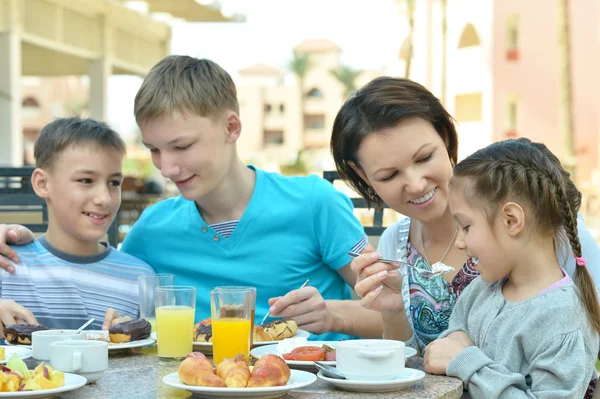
521	170
381	104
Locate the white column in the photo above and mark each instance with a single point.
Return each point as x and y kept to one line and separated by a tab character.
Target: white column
11	132
99	71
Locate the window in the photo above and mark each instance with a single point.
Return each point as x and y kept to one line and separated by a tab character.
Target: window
315	93
314	122
273	137
469	107
30	107
267	108
512	37
469	37
282	108
511	116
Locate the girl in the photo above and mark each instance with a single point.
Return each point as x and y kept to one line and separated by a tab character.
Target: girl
523	328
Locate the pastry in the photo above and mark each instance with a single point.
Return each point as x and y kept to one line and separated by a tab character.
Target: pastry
269	371
21	333
197	370
203	331
280	329
235	372
131	330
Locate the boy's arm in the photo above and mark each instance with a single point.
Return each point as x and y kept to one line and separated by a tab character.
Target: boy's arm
13	313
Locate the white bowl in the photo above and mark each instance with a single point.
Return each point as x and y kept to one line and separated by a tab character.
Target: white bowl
41	340
370	359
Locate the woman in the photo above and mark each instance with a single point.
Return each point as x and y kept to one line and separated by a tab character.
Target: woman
394	143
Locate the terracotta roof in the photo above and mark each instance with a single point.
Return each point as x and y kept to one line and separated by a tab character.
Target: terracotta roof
317	46
260	69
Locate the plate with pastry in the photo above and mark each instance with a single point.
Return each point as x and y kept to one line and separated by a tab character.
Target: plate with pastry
20	334
6	351
299	353
129	334
233	378
264	334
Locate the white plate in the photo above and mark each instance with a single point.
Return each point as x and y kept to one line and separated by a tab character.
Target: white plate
206	347
22	351
72	381
406	379
298	379
120	345
308	365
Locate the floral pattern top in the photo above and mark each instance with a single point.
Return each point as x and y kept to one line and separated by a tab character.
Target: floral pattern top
432	300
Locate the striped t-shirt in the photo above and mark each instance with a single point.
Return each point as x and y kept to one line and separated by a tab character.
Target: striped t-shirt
64	291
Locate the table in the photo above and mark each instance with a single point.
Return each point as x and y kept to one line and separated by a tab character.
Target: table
137	374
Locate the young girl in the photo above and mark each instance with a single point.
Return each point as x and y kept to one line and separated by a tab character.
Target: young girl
523	328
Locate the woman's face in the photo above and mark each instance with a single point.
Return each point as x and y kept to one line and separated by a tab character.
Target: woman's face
409	168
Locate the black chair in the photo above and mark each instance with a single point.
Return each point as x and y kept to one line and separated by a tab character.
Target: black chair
359	203
17	195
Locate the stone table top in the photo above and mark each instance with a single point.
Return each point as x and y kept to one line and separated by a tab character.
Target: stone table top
137	374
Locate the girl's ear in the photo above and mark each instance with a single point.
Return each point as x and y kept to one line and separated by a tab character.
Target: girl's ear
359	172
513	218
40	183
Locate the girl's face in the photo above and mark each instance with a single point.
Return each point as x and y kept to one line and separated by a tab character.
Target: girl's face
409	168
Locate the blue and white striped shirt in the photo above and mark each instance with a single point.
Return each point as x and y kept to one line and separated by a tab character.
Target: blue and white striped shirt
64	291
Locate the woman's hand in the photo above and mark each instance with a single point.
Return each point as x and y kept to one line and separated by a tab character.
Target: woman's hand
378	284
307	307
13	313
16	235
440	352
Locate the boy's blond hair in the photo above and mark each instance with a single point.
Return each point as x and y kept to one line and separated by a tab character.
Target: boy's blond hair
185	84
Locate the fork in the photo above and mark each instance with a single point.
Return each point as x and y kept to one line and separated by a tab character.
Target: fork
424	273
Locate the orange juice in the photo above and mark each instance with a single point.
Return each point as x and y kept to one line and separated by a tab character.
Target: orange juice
231	336
174	332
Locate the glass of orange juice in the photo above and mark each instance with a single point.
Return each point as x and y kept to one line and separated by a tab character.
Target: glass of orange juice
175	307
232	312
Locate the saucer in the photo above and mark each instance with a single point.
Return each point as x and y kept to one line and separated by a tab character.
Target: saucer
407	378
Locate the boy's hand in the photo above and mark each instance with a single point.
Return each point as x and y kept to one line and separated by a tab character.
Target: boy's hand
439	354
306	306
12	234
112	317
13	313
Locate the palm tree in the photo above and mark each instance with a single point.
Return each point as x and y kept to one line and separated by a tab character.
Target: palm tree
346	75
565	106
300	64
410	11
444	6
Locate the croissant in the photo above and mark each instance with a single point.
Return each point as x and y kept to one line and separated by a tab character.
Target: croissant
234	371
197	370
269	371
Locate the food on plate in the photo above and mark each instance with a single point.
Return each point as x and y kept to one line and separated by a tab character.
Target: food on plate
269	371
21	333
235	372
2	353
273	331
16	377
198	371
131	330
311	353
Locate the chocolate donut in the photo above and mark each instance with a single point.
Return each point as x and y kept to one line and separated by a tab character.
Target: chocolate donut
203	331
20	334
131	330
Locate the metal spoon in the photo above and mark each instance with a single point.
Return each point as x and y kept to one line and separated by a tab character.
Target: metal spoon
80	329
329	371
425	273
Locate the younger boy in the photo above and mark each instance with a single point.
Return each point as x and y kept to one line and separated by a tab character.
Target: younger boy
67	275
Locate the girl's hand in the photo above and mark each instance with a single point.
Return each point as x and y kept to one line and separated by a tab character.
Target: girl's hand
378	284
440	353
16	235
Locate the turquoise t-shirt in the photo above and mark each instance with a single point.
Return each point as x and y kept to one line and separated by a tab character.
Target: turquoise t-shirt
294	228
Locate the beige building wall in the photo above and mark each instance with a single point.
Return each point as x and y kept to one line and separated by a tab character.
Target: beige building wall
503	85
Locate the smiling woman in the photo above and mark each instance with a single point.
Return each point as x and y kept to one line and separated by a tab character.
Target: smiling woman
394	143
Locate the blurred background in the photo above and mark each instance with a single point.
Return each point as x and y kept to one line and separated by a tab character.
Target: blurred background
502	68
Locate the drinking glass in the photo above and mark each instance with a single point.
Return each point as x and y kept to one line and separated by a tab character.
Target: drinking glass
175	307
232	312
147	285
